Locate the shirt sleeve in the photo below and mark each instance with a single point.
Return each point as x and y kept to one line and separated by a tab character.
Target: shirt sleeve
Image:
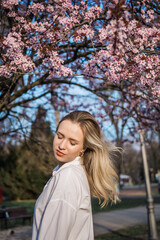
57	221
59	214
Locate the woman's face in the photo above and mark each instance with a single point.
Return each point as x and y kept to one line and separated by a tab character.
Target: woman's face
68	141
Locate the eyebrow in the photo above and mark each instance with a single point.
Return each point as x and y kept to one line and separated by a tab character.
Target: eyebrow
72	139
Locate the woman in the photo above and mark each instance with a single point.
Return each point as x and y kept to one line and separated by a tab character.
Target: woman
63	210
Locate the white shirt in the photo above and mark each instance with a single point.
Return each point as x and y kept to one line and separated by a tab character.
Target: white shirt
63	210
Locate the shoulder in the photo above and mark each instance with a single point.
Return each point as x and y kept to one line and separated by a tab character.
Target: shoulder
74	176
71	173
67	186
71	185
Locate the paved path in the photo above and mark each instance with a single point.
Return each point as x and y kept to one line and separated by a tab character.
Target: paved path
103	222
112	221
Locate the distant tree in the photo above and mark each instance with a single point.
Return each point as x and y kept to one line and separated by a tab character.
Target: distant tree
8	172
132	163
25	168
36	158
132	158
153	152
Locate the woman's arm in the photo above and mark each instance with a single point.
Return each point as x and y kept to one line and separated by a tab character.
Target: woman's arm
57	221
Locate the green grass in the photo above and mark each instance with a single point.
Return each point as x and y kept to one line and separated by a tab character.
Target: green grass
139	232
123	204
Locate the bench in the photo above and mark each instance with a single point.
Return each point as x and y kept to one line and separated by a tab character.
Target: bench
14	213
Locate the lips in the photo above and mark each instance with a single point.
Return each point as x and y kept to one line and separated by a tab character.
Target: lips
59	153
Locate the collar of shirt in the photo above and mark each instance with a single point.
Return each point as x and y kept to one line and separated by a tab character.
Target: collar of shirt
76	161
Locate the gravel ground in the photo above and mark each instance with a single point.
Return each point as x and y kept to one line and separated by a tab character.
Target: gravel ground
19	233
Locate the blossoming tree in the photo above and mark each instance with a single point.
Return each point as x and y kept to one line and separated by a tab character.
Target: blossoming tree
113	45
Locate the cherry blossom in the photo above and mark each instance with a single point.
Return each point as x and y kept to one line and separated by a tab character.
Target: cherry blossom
112	45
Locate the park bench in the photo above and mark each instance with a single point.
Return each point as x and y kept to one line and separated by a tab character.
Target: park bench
14	213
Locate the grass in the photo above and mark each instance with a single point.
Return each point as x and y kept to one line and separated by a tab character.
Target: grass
123	204
139	232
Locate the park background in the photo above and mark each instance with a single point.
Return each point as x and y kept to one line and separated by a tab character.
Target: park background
101	56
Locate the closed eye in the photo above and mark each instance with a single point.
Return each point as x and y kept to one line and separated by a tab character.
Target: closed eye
60	136
73	143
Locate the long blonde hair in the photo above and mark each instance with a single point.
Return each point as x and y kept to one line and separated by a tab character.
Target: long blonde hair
97	157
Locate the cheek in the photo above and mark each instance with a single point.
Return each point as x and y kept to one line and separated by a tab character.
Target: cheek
75	149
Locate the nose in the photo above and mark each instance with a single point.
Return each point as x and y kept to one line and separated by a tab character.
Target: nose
62	144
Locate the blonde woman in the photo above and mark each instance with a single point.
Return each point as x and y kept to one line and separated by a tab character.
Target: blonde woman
63	210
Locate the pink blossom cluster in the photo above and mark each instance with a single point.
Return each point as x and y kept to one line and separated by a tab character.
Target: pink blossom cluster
92	13
128	58
109	44
54	63
4	71
17	61
64	71
10	3
68	23
13	41
38	27
67	5
35	8
84	31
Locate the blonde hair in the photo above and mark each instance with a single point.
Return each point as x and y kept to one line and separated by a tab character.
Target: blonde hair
97	158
